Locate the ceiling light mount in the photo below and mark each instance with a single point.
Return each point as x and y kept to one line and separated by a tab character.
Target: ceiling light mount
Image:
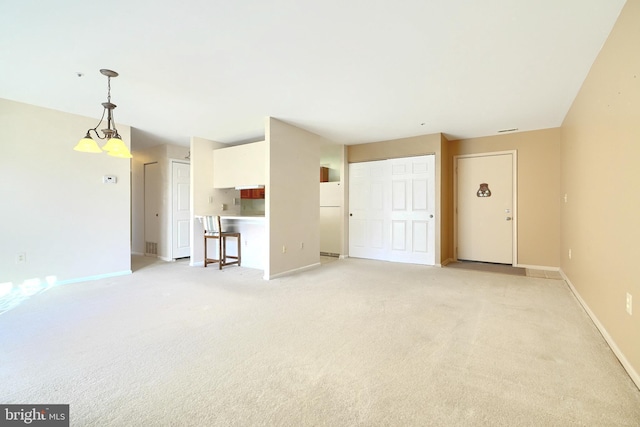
114	146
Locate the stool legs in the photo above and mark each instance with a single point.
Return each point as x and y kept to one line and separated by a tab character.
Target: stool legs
222	259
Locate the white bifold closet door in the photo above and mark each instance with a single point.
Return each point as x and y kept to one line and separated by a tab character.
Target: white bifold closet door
391	210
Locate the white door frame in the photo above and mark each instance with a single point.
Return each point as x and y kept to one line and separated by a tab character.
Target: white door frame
514	222
171	221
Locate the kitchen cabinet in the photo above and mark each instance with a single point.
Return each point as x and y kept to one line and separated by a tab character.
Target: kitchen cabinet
324	174
240	165
254	193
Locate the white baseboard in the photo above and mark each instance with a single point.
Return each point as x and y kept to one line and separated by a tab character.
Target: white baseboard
96	277
295	270
343	256
612	344
537	267
137	253
196	263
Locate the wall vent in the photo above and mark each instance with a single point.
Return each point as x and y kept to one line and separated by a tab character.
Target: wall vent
151	248
331	254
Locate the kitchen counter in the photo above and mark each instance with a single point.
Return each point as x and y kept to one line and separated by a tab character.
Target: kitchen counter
237	217
242	217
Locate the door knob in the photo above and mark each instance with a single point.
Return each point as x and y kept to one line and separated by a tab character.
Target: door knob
350	214
508	218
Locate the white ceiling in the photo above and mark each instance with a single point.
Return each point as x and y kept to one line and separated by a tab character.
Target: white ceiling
351	70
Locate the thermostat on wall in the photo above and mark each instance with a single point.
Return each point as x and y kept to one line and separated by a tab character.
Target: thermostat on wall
109	179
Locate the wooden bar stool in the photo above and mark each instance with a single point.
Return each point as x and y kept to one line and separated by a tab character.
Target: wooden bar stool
212	230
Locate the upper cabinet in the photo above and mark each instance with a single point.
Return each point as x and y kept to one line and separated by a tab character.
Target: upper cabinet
253	193
324	174
240	165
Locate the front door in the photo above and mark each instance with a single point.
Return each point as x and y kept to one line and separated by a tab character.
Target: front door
485	208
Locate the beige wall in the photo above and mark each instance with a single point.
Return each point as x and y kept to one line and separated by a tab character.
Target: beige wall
538	190
408	147
601	177
292	197
55	207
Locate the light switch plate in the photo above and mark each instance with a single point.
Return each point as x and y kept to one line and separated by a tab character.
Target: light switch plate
109	179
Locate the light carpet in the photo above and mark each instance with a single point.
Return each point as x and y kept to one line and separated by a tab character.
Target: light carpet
350	343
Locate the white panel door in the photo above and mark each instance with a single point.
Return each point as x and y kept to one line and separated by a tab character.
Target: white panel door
485	208
181	238
368	206
412	210
391	210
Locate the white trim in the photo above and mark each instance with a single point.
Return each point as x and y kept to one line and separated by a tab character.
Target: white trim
538	267
91	278
635	377
164	258
295	270
514	209
343	256
196	264
137	253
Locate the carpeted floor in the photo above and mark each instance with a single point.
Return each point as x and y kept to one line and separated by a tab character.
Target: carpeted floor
350	343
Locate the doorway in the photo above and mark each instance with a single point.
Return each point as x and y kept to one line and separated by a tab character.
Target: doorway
391	210
485	207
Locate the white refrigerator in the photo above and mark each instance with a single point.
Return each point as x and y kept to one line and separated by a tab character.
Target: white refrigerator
330	217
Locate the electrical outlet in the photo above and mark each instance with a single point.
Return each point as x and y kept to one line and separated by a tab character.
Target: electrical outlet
21	258
569	253
284	249
629	303
301	245
109	179
565	198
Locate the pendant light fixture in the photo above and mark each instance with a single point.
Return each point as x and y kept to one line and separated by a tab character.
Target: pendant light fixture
114	146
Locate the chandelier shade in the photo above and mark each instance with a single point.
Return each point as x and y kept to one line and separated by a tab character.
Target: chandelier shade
115	146
88	145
